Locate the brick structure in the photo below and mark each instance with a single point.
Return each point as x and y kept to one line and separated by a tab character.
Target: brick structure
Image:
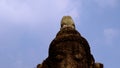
69	49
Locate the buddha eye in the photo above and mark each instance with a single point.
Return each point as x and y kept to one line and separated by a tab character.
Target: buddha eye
78	57
59	58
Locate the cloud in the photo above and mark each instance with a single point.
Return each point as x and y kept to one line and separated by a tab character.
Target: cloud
110	35
107	3
24	23
19	16
27	11
14	11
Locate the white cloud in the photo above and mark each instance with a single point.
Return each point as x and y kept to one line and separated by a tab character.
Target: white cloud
31	13
30	20
107	3
14	11
110	35
27	11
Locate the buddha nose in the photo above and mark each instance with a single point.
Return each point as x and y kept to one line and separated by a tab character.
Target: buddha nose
69	63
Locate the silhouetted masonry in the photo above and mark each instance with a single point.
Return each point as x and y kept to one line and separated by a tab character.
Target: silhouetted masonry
69	49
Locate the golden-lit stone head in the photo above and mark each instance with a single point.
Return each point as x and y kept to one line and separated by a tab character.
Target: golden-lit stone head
67	21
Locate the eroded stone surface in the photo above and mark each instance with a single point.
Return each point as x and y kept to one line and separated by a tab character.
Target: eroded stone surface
67	22
69	49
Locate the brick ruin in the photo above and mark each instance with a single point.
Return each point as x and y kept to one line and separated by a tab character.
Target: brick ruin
69	49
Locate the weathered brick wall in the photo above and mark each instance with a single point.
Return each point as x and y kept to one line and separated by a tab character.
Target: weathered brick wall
69	49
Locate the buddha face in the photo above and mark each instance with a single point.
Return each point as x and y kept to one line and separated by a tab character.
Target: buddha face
68	55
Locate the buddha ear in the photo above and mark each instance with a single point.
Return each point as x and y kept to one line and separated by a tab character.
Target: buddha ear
98	65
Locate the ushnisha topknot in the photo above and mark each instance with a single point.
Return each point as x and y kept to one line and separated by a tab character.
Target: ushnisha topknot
67	21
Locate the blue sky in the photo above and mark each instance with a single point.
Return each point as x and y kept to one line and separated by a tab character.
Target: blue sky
27	27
